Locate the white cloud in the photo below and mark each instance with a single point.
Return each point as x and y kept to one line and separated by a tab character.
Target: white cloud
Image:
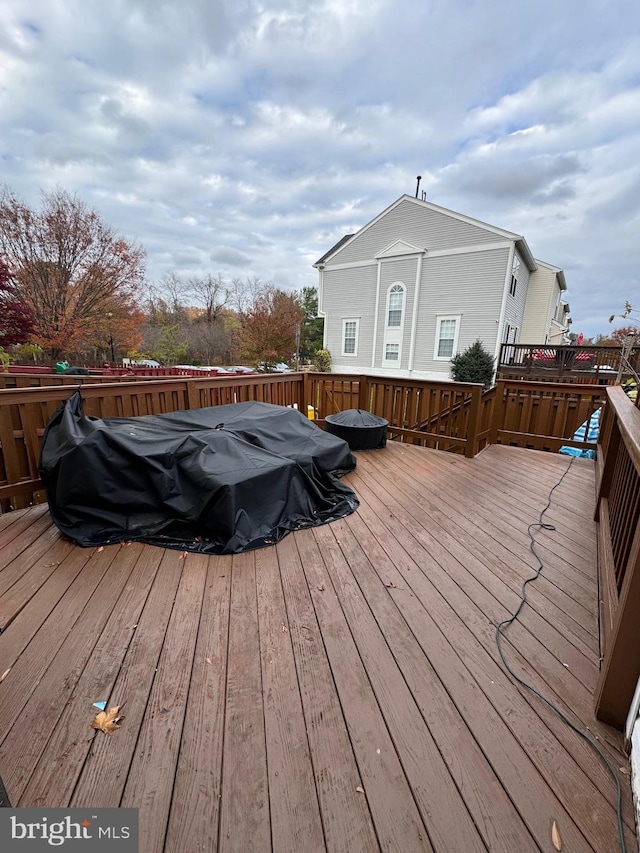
246	136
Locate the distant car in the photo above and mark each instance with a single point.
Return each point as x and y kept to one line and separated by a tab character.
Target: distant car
239	368
145	362
281	367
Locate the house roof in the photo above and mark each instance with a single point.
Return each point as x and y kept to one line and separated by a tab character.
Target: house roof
557	270
520	242
333	249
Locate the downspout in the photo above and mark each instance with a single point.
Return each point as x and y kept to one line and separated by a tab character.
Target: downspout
375	316
414	319
321	313
503	307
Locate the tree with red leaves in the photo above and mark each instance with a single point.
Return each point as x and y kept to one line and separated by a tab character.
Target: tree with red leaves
70	268
17	321
268	332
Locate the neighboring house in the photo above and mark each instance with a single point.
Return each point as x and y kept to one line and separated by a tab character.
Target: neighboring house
546	316
420	283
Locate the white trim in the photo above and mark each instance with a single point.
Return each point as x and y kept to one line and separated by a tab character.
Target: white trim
322	313
443	376
353	265
433	253
440	318
635	770
399	248
393	335
414	318
503	304
391	362
634	711
346	320
375	316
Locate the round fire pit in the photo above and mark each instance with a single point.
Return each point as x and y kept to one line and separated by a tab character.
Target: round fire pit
360	429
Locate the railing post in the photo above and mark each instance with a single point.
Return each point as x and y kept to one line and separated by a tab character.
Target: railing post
193	395
499	408
471	447
305	393
363	393
621	663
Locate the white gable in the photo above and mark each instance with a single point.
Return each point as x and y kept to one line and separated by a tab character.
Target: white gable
398	248
418	225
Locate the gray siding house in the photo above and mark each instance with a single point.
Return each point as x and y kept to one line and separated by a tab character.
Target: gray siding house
420	283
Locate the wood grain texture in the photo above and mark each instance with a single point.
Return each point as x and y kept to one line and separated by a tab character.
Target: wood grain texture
257	689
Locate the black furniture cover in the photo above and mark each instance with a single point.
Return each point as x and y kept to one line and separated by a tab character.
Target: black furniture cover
361	429
218	480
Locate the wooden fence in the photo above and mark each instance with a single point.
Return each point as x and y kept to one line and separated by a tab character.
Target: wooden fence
443	415
618	518
591	365
24	414
542	415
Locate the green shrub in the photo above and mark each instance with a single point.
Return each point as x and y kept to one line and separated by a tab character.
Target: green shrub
322	360
475	364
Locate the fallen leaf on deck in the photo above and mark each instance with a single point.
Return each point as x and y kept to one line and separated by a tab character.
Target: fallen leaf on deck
285	630
107	721
555	836
391	584
5	674
360	790
101	548
50	565
183	556
209	661
321	587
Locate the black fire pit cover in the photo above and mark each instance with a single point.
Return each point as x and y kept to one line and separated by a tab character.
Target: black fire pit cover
361	429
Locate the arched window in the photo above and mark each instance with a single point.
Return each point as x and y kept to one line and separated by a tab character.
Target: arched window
393	332
395	305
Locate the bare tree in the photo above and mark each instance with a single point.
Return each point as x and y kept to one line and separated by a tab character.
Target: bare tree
210	291
245	293
174	289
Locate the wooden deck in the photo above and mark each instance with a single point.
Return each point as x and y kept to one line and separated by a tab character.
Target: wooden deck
341	691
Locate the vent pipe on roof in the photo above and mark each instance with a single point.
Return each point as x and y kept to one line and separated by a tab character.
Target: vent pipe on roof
418	185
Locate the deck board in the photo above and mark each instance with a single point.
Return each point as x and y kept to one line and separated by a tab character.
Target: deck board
340	691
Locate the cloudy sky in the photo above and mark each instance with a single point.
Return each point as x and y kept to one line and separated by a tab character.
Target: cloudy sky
244	138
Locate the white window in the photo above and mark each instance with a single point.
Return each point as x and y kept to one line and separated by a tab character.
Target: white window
350	336
392	352
395	303
510	335
514	274
394	325
447	329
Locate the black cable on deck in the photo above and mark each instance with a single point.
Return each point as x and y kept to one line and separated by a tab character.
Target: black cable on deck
541	525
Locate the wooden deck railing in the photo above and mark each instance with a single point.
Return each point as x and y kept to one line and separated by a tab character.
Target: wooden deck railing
542	415
24	414
597	365
449	416
618	517
441	415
